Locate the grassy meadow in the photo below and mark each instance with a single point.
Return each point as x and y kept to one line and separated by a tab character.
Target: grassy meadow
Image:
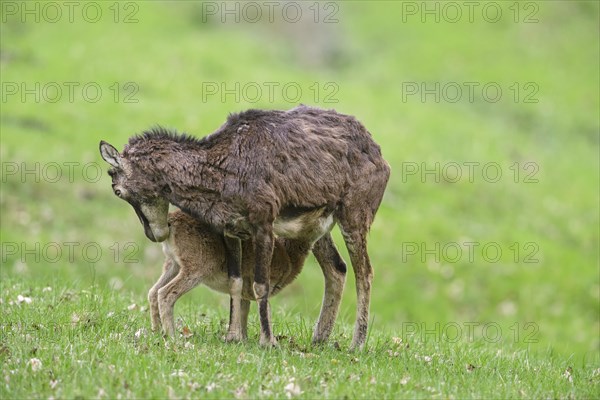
485	248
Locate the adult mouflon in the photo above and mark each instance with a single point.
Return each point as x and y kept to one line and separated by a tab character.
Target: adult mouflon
261	174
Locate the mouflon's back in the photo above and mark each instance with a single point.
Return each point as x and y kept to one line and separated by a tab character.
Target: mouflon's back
305	156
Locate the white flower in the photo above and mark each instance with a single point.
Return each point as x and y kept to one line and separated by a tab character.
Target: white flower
241	391
36	364
75	319
292	389
210	387
23	299
189	345
140	332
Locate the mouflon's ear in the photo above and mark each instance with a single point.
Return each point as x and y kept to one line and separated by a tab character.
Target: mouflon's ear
110	154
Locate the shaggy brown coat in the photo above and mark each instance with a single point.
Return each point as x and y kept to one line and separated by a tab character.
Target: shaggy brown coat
264	173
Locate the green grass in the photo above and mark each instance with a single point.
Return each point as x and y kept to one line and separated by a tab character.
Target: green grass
546	311
98	344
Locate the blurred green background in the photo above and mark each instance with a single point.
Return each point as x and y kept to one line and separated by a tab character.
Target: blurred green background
479	89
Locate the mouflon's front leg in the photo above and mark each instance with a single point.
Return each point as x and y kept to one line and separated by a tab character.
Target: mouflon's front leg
263	249
245	311
234	267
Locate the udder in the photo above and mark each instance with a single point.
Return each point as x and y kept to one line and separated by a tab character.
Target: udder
309	225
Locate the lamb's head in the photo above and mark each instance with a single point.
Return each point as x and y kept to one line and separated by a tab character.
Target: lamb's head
131	183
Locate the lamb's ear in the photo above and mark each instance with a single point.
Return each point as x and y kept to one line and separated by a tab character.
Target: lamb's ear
110	154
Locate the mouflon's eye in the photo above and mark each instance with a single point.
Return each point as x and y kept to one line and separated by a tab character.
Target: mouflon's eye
118	192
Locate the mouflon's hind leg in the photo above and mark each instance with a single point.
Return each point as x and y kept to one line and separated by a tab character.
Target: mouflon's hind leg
355	216
170	270
357	248
334	272
263	249
234	266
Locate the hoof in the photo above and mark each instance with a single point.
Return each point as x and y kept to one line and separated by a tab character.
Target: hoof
268	342
318	340
354	347
233	337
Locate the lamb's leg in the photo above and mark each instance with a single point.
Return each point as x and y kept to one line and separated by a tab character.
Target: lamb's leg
263	249
234	266
170	293
334	271
170	269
